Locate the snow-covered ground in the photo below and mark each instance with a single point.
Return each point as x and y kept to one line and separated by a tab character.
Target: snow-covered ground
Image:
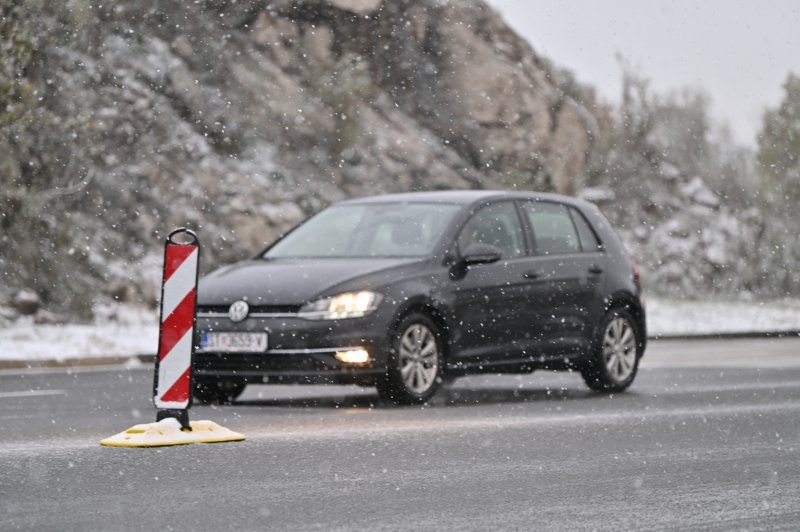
123	331
126	332
672	318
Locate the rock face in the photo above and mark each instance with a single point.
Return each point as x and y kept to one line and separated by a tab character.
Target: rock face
239	118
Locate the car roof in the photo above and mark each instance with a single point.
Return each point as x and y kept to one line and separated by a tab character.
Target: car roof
459	197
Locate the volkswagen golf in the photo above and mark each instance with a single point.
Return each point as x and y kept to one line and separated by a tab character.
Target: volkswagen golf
406	291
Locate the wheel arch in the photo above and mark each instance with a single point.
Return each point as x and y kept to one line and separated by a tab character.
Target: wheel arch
429	309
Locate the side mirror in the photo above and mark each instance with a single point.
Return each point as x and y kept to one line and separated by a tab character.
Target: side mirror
480	254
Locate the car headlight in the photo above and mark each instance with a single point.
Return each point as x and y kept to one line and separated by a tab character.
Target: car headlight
348	305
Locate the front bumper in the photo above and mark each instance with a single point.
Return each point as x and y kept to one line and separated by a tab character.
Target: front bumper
298	350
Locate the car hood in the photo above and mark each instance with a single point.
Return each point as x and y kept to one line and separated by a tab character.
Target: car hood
295	281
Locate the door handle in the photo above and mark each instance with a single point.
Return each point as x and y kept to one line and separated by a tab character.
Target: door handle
595	269
533	274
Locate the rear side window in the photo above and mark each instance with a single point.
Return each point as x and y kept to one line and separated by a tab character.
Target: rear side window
553	230
587	237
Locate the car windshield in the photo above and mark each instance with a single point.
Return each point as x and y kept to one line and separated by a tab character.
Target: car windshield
368	230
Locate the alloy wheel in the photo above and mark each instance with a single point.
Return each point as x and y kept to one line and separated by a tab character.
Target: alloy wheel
418	358
619	349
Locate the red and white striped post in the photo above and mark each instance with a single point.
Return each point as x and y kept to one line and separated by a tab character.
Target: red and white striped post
172	389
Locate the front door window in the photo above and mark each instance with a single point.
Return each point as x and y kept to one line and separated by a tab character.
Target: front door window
496	225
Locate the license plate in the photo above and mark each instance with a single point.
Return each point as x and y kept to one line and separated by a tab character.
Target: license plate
233	342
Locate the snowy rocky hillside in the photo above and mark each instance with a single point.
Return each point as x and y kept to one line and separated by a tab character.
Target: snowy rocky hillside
124	120
239	118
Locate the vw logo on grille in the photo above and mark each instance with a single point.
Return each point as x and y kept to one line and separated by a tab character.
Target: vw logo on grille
238	311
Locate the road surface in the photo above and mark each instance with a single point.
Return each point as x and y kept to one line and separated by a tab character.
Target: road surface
707	438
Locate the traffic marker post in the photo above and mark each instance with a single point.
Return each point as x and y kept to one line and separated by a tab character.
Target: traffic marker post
172	384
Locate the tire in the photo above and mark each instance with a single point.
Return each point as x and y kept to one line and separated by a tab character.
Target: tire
212	391
614	360
415	362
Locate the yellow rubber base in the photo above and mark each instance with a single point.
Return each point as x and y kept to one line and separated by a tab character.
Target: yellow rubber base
168	432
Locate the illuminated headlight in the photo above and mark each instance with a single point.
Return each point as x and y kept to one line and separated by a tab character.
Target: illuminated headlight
349	305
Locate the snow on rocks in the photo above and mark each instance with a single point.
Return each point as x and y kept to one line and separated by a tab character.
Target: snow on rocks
27	302
600	195
697	191
360	7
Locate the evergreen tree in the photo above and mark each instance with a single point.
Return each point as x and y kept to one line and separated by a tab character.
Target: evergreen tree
779	144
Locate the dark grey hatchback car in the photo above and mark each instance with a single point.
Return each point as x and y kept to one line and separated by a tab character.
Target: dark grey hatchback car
406	291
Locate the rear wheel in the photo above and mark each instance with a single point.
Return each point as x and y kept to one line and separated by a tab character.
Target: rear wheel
615	358
217	390
414	365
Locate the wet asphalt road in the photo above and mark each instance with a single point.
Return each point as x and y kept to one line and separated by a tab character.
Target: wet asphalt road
707	438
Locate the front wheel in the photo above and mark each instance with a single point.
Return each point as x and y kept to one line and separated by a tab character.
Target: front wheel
615	358
213	391
414	365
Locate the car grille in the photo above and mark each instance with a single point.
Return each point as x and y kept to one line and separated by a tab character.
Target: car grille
269	309
222	310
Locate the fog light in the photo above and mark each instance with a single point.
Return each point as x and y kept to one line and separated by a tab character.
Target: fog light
356	356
